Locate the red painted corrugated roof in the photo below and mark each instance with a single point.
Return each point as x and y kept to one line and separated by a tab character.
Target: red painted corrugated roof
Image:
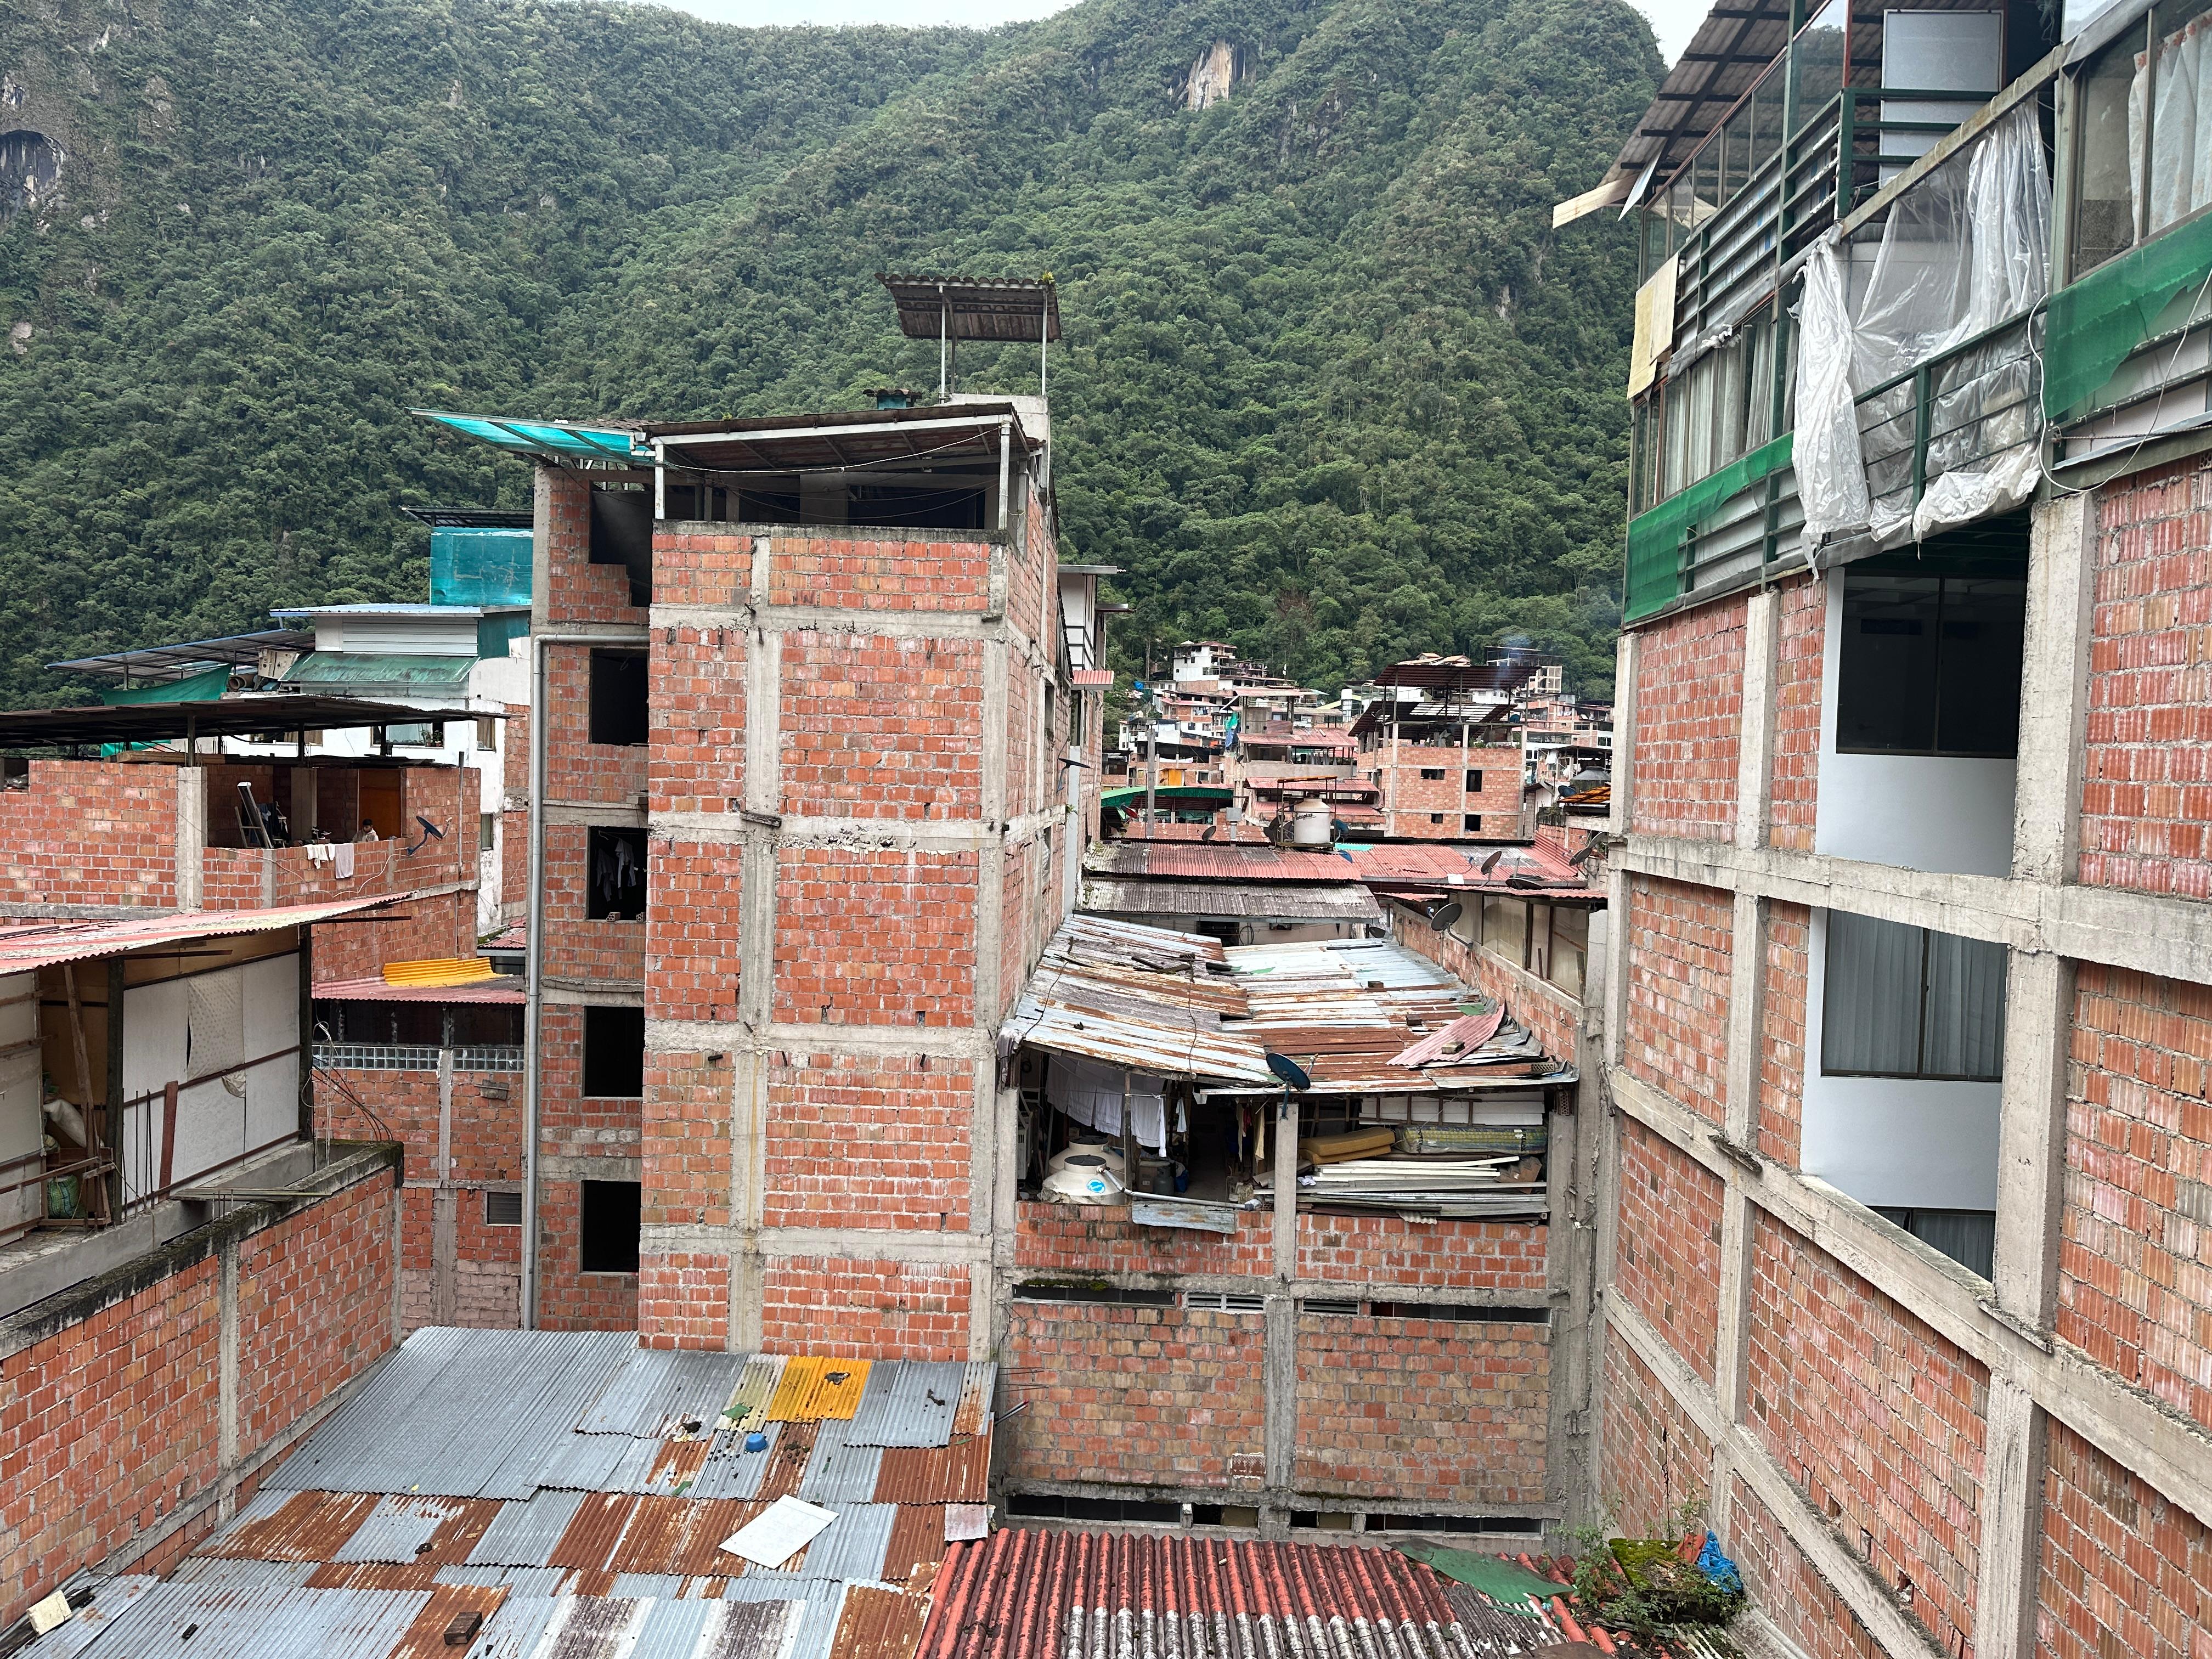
506	988
1203	862
48	945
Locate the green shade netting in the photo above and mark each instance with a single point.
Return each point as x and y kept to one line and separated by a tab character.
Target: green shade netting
2092	325
204	687
1504	1582
1655	538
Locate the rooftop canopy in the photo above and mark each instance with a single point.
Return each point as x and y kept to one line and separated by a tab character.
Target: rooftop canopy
28	947
974	308
945	435
230	717
547	441
468	518
151	665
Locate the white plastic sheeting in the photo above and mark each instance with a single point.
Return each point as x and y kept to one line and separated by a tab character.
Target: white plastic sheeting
2170	127
1964	250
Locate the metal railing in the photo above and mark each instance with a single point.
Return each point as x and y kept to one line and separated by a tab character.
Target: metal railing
1979	400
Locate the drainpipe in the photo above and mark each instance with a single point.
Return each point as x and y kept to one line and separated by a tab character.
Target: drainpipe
534	966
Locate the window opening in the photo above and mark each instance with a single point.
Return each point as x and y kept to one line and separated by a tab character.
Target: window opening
614	1053
1930	665
619	708
615	872
502	1209
1969	1237
608	1223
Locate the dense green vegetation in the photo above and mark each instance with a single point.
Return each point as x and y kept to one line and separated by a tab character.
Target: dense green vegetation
1332	390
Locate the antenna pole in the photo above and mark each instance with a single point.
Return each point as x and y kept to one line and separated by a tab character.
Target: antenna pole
943	343
1152	740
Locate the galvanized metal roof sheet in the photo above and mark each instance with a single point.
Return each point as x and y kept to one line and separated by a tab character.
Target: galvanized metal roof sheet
267	1621
760	1627
977	1386
219	1569
878	1624
515	1631
657	1390
522	1581
671	1629
1128	896
729	1470
853	1546
406	1527
526	1529
840	1472
425	1637
908	1403
109	1599
307	1526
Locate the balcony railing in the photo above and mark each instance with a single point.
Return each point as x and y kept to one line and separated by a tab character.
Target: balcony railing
1952	415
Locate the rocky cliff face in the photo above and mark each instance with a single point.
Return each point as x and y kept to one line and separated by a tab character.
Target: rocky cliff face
1217	70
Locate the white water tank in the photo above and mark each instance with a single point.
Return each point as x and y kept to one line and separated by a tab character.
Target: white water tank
1311	824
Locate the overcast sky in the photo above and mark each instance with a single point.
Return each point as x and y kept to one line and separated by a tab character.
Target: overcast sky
1673	20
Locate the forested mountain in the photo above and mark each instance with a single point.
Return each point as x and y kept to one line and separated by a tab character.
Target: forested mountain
1332	387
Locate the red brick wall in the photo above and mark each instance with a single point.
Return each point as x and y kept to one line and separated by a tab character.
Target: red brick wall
1411	799
858	1309
874	727
568	1298
1387	1249
578	948
686	1139
1782	1040
1881	1419
2137	1228
879	570
576	769
113	1421
874	1141
693	964
1799	660
2146	780
1689	709
90	832
1668	1260
1789	1589
1079	1239
1654	1458
683	1301
697	757
514	826
1421	1410
701	563
2125	1570
875	938
1133	1393
576	589
1675	1039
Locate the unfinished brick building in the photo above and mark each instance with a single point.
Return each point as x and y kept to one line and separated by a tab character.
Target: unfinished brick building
1908	1031
1437	746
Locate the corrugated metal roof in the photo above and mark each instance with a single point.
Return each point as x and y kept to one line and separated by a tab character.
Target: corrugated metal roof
526	1529
854	1544
268	1622
425	1638
515	1630
1306	901
878	1624
308	1526
759	1627
1210	861
29	946
657	1390
756	1385
957	1474
840	1472
672	1629
977	1386
110	1598
680	1535
522	1581
502	989
917	1540
406	1527
787	1456
219	1569
814	1388
908	1402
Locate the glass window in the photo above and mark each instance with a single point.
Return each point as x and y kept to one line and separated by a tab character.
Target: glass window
1909	1002
2178	143
1816	59
1930	665
1569	949
2104	213
1539	959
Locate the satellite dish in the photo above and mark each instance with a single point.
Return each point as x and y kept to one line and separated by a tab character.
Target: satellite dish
1293	1074
1444	914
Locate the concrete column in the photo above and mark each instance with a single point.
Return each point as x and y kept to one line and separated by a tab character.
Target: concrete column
192	838
1627	652
1754	773
444	1212
1279	1432
2054	686
2012	1523
2032	1135
1739	1224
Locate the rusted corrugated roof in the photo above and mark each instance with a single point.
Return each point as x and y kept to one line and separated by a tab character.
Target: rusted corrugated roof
303	1526
592	1536
1347	901
503	989
975	1390
878	1624
679	1535
917	1540
426	1637
42	945
957	1474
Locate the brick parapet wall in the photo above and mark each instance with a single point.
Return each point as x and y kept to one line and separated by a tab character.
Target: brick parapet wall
90	832
1396	1408
1882	1420
113	1426
1667	1258
443	925
2147	776
1800	666
886	570
1140	1395
1679	939
1689	712
2134	1290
